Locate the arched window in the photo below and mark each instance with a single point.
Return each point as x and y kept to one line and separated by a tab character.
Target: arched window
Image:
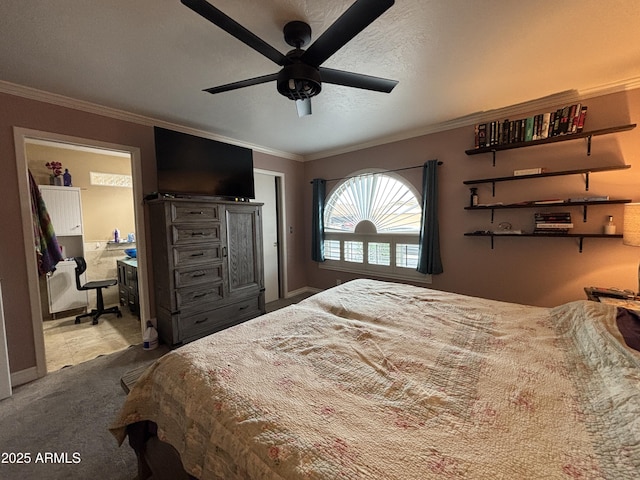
372	224
374	201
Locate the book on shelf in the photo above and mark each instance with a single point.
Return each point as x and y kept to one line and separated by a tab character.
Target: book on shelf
553	222
482	135
528	129
563	121
593	198
581	119
528	171
507	232
548	202
553	226
553	217
558	231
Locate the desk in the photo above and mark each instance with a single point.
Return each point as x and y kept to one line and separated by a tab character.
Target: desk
128	284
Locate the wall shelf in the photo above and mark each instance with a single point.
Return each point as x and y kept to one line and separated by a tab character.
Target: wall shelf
580	236
584	205
546	204
579	171
560	138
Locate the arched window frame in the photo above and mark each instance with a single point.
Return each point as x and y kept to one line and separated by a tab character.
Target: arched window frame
384	254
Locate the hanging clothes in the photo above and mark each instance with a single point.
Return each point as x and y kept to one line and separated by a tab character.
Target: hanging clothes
46	244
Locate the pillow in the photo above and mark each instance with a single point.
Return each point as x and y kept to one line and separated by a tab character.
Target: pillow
628	322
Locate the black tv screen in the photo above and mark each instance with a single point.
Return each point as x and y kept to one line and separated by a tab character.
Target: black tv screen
190	165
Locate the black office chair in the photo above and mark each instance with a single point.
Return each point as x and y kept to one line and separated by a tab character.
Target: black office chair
81	267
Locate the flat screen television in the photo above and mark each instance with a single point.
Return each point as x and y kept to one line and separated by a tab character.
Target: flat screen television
189	166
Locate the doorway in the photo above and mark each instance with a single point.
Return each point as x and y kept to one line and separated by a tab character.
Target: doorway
23	138
269	192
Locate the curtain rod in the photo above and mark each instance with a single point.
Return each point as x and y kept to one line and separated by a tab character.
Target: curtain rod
376	173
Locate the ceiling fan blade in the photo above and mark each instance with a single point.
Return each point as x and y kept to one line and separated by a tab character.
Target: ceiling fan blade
243	83
357	17
303	106
357	80
217	17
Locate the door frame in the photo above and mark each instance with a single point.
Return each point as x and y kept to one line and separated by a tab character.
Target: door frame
283	283
20	136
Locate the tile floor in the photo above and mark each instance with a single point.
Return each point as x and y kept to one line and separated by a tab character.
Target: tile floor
69	344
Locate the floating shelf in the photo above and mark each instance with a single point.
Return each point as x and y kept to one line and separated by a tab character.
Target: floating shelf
579	171
584	206
580	236
558	138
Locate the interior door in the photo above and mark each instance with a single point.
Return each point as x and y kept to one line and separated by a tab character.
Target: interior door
265	188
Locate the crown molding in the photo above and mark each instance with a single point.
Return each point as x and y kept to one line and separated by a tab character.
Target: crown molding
567	96
89	107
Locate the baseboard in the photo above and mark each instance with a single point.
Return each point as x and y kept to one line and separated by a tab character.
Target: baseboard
24	376
302	290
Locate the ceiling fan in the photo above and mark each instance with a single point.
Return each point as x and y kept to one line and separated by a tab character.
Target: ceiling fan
302	75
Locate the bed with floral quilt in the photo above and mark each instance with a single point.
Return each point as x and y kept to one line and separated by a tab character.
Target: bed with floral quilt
378	380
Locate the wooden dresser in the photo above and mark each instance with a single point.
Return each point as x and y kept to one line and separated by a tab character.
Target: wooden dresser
207	265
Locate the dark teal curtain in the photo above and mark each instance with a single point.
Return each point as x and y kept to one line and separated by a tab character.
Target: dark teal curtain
429	254
317	222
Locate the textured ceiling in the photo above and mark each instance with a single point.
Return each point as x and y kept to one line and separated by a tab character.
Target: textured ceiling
452	58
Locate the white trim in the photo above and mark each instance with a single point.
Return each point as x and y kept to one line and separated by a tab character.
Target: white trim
282	220
63	101
79	148
5	370
20	138
24	376
410	277
567	96
302	290
392	271
19	134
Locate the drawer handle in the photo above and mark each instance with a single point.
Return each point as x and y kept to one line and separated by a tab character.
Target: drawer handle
198	274
245	307
201	254
206	319
197	234
196	213
200	295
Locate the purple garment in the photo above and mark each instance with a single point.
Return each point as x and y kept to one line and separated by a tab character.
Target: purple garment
46	243
629	325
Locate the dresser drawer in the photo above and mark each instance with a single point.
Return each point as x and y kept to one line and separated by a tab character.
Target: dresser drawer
203	274
194	212
192	296
183	234
192	256
204	323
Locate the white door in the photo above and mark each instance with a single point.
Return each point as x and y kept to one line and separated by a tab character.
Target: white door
265	186
64	208
5	375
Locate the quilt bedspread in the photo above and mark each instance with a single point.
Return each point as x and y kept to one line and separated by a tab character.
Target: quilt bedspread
376	380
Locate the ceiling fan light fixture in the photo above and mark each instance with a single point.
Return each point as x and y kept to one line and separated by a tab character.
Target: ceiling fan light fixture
299	81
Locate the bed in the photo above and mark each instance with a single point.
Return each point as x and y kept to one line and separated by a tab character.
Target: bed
377	380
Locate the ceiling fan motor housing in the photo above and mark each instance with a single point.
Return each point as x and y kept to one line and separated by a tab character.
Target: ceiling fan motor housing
299	81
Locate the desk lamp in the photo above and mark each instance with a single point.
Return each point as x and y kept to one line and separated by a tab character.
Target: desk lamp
631	229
